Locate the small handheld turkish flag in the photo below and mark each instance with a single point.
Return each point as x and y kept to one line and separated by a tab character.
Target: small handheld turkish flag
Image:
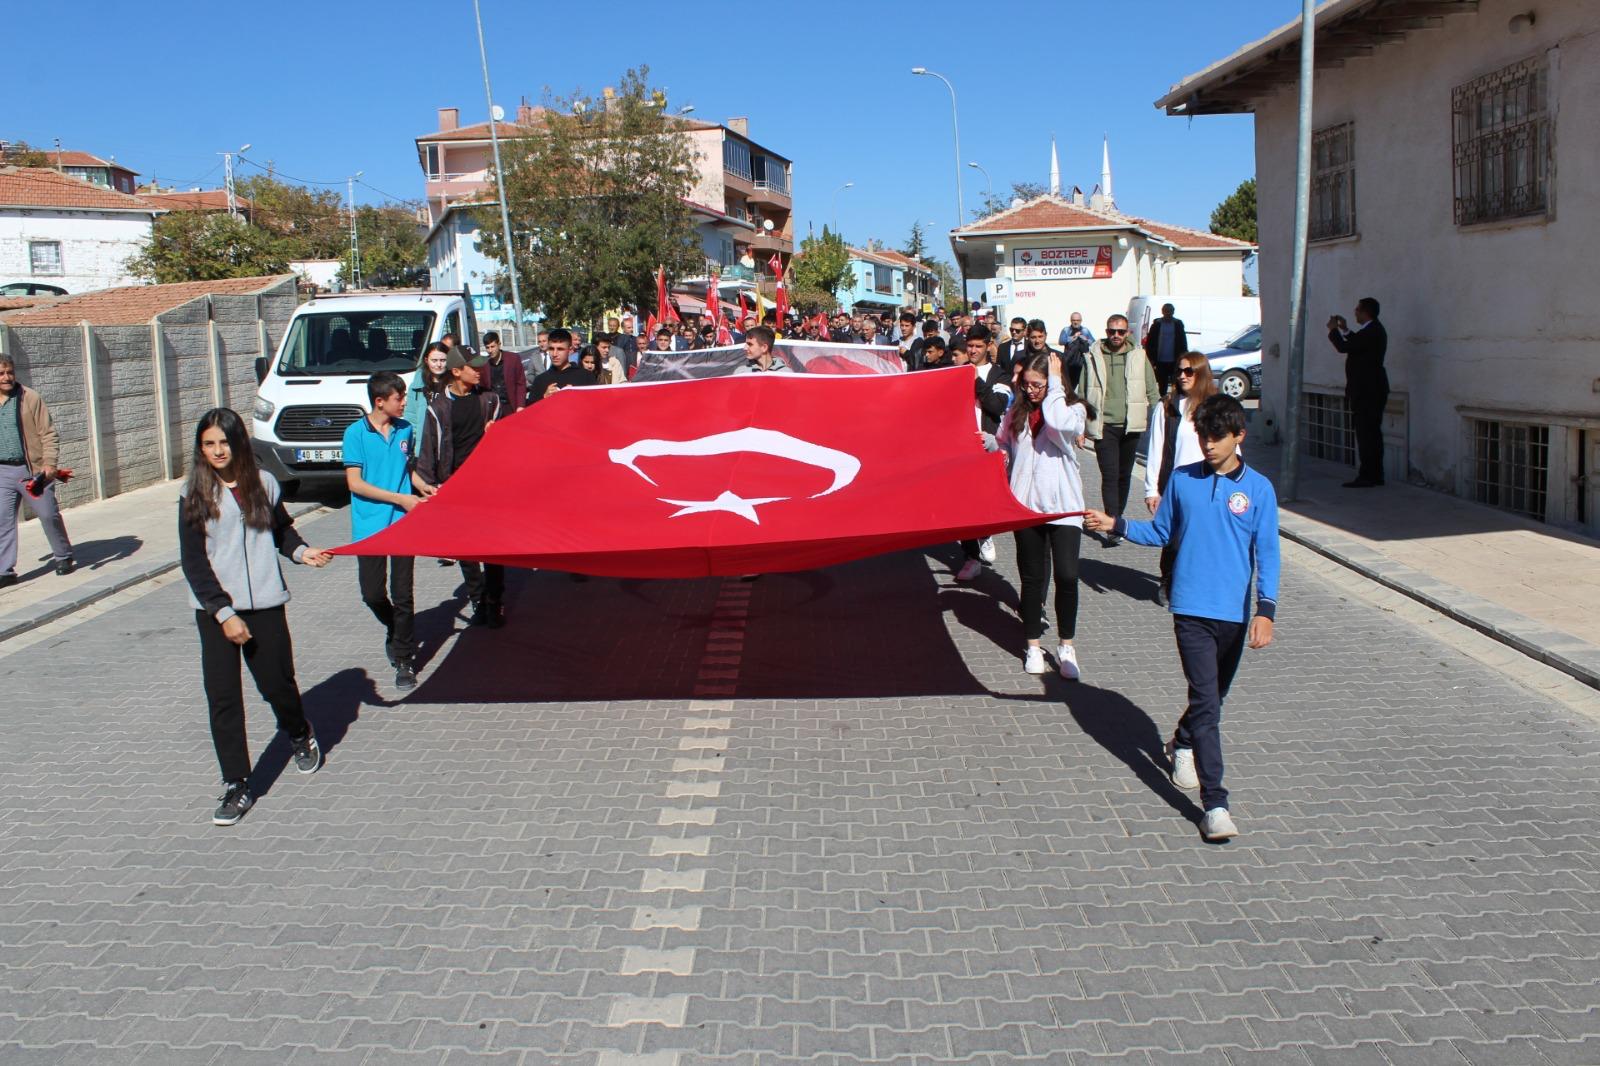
730	475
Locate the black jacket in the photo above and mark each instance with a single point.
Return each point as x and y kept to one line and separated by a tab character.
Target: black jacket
436	458
1006	352
1180	343
1364	351
567	376
993	391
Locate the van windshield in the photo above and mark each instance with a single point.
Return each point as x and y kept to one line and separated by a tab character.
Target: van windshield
355	342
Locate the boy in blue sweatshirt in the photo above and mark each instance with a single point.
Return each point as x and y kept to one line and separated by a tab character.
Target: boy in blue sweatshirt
1223	518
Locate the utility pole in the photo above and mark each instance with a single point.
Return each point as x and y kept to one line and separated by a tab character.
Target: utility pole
961	204
355	238
500	180
1297	284
227	180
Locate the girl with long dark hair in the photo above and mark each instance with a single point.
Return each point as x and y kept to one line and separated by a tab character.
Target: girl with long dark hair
1174	444
231	526
1039	433
429	381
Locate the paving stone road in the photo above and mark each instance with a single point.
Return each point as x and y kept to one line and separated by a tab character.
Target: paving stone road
820	817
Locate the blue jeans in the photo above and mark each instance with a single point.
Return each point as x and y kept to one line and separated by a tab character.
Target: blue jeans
1209	650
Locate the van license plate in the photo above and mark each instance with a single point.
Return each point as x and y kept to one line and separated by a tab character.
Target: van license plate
318	455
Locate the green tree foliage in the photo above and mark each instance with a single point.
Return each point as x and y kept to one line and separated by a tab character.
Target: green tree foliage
191	246
392	252
1236	216
313	220
916	245
23	154
1020	190
596	195
808	300
949	281
823	264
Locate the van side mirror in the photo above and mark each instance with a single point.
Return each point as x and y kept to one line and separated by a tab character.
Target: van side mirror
261	369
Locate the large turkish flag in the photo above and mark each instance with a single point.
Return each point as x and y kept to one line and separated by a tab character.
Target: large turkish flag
733	475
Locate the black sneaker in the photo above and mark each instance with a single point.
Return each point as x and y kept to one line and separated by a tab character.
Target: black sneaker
388	651
66	566
236	800
405	674
7	580
307	753
480	614
497	615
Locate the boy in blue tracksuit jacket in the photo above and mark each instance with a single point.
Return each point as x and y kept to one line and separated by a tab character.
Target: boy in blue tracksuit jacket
1223	518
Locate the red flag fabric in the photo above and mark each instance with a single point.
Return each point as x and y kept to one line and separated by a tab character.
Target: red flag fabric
736	475
775	264
744	312
780	303
713	300
661	295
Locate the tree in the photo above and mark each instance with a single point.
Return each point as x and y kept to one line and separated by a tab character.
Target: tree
392	252
1236	216
23	154
949	281
823	264
916	245
313	220
808	300
597	198
192	246
1020	190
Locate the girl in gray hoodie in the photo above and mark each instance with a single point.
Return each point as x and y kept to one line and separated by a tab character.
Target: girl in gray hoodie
232	526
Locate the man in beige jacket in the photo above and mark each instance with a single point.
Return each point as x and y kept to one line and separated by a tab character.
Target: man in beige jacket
28	448
1121	389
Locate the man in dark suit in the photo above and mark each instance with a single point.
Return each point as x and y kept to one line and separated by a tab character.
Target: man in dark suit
1366	386
1164	345
1008	350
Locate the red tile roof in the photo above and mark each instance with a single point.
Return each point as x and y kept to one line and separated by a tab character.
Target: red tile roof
69	158
41	187
906	261
1184	237
136	304
194	200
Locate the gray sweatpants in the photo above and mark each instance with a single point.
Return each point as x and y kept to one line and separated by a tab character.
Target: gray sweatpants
12	494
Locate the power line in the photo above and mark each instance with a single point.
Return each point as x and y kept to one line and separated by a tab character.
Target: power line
330	184
380	192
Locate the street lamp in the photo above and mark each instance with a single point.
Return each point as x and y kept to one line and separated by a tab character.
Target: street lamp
836	192
500	180
955	126
988	183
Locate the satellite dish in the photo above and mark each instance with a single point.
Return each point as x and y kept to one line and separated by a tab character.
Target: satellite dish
498	113
766	224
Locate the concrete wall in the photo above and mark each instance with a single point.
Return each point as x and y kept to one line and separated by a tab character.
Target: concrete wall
1499	317
95	246
106	391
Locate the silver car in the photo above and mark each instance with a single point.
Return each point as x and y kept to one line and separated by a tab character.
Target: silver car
1237	365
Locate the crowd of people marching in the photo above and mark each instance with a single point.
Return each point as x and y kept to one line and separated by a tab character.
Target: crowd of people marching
1214	519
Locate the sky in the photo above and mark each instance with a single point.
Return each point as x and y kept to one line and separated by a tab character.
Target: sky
166	87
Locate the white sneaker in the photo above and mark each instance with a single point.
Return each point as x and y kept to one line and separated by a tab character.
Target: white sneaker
986	550
1217	825
969	570
1034	663
1067	657
1180	763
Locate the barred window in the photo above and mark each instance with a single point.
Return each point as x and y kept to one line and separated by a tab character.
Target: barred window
1326	427
1502	144
1511	466
1333	182
44	257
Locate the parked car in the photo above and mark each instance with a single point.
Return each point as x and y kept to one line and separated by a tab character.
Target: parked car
1208	321
31	288
316	385
1237	364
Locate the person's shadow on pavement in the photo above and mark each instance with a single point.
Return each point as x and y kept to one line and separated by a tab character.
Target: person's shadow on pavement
332	705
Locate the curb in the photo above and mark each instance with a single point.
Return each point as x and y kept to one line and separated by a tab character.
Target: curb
46	611
1561	651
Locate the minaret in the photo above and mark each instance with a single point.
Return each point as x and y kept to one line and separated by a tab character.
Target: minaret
1055	169
1105	172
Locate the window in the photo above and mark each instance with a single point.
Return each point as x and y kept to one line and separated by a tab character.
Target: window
770	174
45	257
736	158
1326	428
432	164
883	278
1333	182
1502	144
356	342
1511	465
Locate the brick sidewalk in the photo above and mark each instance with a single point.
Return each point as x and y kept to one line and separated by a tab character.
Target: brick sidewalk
886	844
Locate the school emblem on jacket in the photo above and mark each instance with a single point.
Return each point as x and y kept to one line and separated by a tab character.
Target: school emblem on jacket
405	447
1238	503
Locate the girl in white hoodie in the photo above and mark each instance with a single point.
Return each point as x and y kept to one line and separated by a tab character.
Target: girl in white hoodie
1039	434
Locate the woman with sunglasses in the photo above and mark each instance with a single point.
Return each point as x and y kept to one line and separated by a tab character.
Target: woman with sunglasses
1121	386
1038	434
1173	443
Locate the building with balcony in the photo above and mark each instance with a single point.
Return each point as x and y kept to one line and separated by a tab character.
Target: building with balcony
742	200
884	281
106	173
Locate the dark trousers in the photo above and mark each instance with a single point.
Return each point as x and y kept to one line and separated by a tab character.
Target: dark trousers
270	657
486	582
1041	550
1164	372
969	548
1114	453
394	605
1366	411
1209	650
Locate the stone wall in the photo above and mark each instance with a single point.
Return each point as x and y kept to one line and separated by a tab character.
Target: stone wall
112	393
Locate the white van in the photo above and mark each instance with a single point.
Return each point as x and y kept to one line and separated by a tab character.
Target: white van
1208	321
316	387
